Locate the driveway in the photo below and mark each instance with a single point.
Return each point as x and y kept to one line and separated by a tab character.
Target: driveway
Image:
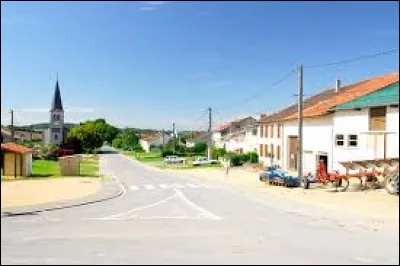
165	218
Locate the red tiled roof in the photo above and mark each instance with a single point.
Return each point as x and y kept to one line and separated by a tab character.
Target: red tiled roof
226	124
16	148
347	94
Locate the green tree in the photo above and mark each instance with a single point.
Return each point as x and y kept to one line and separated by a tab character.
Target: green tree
88	135
127	139
200	147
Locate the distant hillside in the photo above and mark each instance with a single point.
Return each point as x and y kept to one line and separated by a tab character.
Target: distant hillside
40	126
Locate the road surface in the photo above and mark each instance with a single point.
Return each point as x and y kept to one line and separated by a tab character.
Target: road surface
169	219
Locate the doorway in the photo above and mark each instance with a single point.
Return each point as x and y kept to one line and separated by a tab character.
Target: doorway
324	158
293	152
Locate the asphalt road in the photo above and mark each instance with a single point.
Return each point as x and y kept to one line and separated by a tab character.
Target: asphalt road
170	219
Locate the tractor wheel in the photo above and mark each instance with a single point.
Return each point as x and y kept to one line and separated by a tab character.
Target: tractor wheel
341	184
392	184
306	183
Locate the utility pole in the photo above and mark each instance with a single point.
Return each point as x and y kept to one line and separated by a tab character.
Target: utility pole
12	140
209	135
300	121
12	125
173	137
163	137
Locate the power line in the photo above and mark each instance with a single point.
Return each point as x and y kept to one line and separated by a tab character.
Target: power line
268	87
354	59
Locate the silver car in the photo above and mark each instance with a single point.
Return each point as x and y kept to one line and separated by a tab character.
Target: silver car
173	159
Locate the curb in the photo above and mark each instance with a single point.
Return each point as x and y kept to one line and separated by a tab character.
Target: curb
115	189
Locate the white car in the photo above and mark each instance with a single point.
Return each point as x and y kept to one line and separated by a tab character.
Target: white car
173	159
203	161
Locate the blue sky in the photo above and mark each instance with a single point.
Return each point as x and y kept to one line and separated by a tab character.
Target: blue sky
146	64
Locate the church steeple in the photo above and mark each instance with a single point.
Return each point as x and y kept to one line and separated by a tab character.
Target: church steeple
57	104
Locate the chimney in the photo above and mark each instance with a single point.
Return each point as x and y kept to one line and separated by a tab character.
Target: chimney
338	81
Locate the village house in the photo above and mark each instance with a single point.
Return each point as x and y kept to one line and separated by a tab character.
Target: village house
152	141
192	141
16	160
333	135
367	128
20	135
239	135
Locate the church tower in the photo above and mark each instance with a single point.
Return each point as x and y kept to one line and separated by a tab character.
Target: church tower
56	129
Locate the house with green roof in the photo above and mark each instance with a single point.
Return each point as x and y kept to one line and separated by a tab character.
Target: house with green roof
367	127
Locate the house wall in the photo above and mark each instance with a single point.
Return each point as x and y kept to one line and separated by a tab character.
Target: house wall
392	146
370	146
266	139
317	140
23	164
145	145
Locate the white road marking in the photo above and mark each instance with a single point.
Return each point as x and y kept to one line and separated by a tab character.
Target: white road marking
192	185
149	187
119	215
204	214
166	186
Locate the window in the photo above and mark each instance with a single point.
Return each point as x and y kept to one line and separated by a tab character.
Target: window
266	150
266	131
55	137
279	131
339	140
377	119
272	131
261	131
272	151
254	132
261	150
278	152
353	141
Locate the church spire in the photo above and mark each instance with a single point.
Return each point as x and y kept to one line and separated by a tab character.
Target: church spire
57	104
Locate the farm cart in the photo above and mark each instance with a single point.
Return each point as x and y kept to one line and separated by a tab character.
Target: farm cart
339	181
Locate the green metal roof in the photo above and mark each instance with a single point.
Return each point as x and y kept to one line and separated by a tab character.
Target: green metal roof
385	96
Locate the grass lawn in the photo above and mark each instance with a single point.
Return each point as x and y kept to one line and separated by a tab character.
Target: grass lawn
42	169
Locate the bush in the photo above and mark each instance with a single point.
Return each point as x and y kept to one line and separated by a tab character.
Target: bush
253	157
240	159
218	153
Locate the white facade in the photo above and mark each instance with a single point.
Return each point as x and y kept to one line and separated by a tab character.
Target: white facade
270	143
341	137
370	144
317	142
154	141
243	141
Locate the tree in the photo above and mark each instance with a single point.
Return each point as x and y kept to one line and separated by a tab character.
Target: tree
127	140
88	135
200	147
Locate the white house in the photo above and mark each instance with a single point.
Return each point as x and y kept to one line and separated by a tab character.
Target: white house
344	134
239	135
150	141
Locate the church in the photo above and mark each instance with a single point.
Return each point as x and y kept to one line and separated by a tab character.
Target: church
57	132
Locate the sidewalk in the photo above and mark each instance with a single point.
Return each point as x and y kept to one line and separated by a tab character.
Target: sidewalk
370	203
102	190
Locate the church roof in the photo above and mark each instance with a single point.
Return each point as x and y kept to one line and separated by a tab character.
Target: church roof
57	104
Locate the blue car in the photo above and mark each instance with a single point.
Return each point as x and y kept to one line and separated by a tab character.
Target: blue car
273	175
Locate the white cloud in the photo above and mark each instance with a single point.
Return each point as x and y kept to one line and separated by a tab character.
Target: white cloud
151	5
147	8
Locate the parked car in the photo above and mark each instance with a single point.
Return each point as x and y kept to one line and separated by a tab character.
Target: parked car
173	159
273	174
204	161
